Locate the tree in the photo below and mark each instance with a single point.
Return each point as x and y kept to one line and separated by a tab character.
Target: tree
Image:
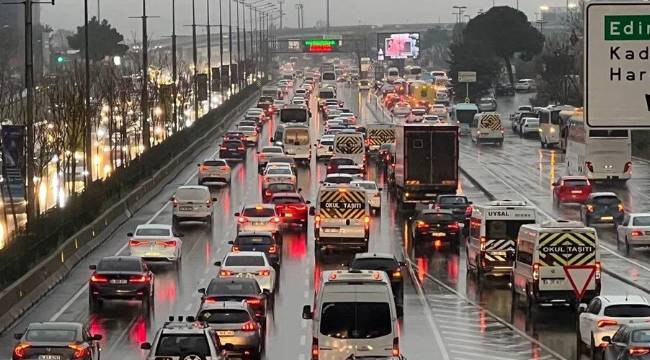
104	40
464	56
505	32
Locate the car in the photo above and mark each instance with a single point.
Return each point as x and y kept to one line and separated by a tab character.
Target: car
460	206
258	241
283	160
278	104
235	323
258	217
504	89
153	242
521	109
252	123
437	227
338	179
264	155
251	264
214	171
277	188
56	340
525	85
256	114
605	314
529	127
402	109
275	173
571	189
430	119
602	208
234	135
629	342
192	203
299	101
237	289
333	114
389	264
324	147
373	193
185	340
121	278
251	134
634	231
417	115
350	118
335	122
356	171
334	163
487	104
292	209
364	85
233	149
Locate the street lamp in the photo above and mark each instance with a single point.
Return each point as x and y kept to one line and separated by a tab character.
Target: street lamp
459	13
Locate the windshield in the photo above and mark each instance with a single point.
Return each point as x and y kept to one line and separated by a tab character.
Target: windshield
152	232
51	335
641	221
244	261
436	218
215	163
329	76
576	182
181	344
223	316
326	94
641	336
355	320
117	264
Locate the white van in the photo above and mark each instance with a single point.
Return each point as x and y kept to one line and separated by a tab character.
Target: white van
350	145
341	218
542	252
392	74
493	230
297	143
354	316
487	128
328	78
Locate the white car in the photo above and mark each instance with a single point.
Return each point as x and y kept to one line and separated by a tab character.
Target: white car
278	173
192	203
338	179
264	155
634	231
334	122
350	118
373	193
440	110
325	147
258	217
529	126
278	104
418	114
356	171
251	134
402	110
248	264
430	119
299	102
155	242
606	313
214	170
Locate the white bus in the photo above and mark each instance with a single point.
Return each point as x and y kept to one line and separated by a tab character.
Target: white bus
297	142
550	126
413	72
392	74
599	154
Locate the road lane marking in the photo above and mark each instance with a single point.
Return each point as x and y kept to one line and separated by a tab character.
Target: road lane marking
303	340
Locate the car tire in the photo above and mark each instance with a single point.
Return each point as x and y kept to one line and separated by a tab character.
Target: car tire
627	246
594	352
208	221
556	202
94	304
530	303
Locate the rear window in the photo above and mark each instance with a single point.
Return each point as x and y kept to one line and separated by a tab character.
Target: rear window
152	232
606	200
327	141
641	336
627	310
272	150
641	221
351	171
232	288
214	163
244	261
233	143
180	344
355	320
434	218
263	212
326	94
337	180
119	265
51	335
247	128
279	171
254	240
452	200
367	186
287	200
192	194
576	182
224	316
341	161
374	264
329	76
281	188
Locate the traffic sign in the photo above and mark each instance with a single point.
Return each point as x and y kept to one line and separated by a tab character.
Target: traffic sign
617	70
579	276
467	76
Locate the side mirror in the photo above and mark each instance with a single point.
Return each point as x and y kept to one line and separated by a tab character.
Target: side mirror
582	308
92	267
299	189
145	346
312	211
129	234
217	263
306	312
237	214
198	164
18	336
231	242
96	337
307	202
266	292
554	184
607	339
271	139
470	203
201	291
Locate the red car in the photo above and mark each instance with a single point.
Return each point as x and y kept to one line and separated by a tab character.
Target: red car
334	163
571	189
292	209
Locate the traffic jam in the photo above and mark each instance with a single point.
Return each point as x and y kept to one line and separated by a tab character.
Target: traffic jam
332	221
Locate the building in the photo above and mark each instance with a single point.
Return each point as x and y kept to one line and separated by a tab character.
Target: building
12	37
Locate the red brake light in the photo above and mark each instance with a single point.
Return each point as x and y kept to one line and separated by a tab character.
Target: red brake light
483	243
170	243
275	219
536	272
598	270
19	351
314	348
211	300
235	248
589	166
203	168
222	147
138	279
453	226
253	301
397	274
98	278
242	219
248	326
225	273
273	249
137	243
421	224
638	351
628	167
468	211
637	233
80	351
268	193
607	322
396	351
264	273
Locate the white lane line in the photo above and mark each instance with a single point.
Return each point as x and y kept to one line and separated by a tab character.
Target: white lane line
303	324
307	282
301	357
84	288
303	340
122	335
306	294
482	355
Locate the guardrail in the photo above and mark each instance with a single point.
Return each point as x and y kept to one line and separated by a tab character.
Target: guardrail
378	109
26	291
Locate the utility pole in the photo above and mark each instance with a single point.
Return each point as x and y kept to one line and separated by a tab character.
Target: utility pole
459	13
250	8
243	8
145	80
174	67
194	59
280	2
230	71
88	148
220	50
238	49
327	18
208	31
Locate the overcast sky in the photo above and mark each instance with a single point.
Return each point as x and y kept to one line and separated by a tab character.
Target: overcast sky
69	13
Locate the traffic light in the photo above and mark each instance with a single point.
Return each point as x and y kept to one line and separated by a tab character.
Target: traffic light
60	59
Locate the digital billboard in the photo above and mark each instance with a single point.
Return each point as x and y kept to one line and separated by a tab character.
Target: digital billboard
398	46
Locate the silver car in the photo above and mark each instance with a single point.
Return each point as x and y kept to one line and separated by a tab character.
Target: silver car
192	203
155	242
634	231
215	170
258	217
234	323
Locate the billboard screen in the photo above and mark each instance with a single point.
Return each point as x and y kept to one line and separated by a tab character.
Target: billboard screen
398	46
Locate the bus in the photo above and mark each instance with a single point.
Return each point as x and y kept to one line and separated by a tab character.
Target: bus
421	94
412	72
550	126
599	154
295	114
464	116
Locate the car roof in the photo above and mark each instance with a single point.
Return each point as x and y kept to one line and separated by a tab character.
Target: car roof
55	325
574	177
603	194
256	206
194	187
245	253
286	194
357	167
338	175
271	147
375	256
624	299
154	226
254	233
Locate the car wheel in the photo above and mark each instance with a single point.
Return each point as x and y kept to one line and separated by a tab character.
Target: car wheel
556	202
93	303
208	221
595	353
627	246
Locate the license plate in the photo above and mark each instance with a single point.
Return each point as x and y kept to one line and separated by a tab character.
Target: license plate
331	230
576	191
226	333
49	357
186	208
118	281
606	218
437	234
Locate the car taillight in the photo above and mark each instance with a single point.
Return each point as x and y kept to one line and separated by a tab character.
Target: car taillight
137	243
589	166
453	226
242	219
536	272
248	326
314	348
174	203
253	301
396	347
483	243
628	167
317	221
273	249
468	211
170	243
621	207
268	193
203	168
637	233
211	300
264	273
19	350
240	147
421	224
223	147
638	351
598	270
226	273
138	279
607	322
397	274
235	248
80	351
95	278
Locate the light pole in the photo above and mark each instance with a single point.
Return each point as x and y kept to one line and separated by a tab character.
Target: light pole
194	59
230	70
208	31
280	2
238	49
87	133
220	50
459	13
174	67
327	18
